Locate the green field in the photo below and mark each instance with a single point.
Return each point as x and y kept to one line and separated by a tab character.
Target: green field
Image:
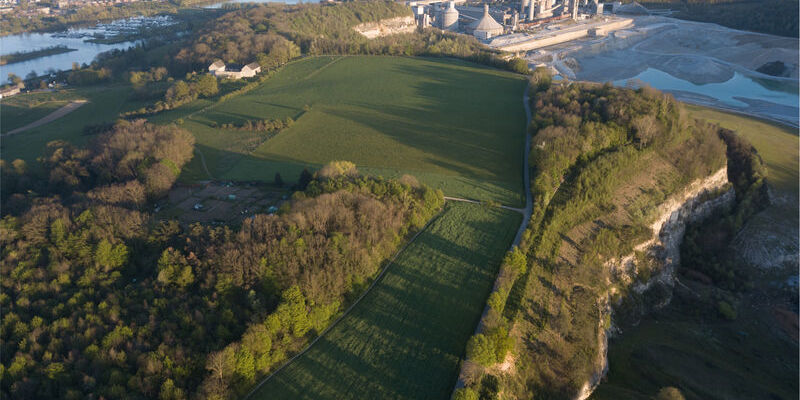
105	102
454	125
406	337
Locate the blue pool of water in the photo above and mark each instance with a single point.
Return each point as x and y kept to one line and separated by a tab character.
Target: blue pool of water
780	91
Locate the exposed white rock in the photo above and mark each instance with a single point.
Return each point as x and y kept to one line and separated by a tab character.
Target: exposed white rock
387	27
691	205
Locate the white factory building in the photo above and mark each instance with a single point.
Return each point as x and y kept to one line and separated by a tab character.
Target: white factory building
526	17
486	27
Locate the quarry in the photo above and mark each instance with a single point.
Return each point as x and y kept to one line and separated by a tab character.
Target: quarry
699	63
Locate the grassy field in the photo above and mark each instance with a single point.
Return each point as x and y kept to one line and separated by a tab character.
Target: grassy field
105	104
454	125
405	338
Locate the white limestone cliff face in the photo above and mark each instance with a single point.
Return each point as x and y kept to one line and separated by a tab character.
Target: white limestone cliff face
693	204
387	27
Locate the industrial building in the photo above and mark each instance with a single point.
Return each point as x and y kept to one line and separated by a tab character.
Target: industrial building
486	27
531	25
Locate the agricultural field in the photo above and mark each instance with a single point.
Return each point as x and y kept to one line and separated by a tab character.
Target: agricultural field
452	124
405	339
104	105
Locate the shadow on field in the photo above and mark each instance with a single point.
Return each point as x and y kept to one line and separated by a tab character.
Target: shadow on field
405	339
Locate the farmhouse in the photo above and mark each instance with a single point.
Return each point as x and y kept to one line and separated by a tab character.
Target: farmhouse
234	71
11	90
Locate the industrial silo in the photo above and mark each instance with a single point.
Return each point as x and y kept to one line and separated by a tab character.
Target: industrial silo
450	17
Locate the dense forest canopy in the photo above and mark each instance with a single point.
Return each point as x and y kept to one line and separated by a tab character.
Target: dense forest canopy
102	301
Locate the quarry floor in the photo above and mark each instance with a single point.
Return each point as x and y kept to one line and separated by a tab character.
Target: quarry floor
699	63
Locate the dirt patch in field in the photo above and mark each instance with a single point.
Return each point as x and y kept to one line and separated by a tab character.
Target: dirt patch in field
221	202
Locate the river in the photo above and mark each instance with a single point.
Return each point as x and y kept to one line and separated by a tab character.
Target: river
75	38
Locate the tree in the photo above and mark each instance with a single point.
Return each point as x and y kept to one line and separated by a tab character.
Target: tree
222	364
20	166
179	91
170	392
278	180
645	128
465	394
669	393
206	85
31	76
519	66
174	270
305	179
110	257
480	350
293	307
337	168
541	79
14	79
245	365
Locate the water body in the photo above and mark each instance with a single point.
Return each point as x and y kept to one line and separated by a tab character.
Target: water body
729	92
75	38
773	98
218	5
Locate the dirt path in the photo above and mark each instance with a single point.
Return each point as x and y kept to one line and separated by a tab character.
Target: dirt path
74	105
203	161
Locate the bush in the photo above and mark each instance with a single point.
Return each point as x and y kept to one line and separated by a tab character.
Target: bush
490	348
727	310
669	393
465	394
519	66
337	168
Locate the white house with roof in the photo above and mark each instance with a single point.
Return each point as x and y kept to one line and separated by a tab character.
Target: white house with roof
233	71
